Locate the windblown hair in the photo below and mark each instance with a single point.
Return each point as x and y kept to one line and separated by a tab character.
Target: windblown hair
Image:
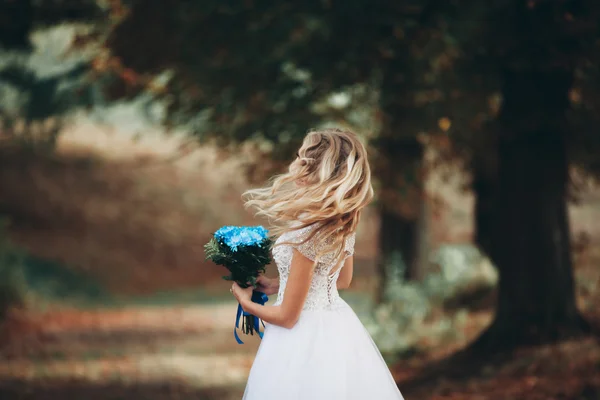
327	185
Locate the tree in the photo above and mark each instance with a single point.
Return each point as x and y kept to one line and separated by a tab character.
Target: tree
33	96
255	70
19	18
31	105
532	53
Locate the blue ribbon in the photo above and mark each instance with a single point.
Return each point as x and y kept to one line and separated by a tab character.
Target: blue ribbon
259	298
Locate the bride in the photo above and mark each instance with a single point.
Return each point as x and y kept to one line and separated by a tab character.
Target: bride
314	345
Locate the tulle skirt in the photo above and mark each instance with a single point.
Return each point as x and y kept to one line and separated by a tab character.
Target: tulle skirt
327	355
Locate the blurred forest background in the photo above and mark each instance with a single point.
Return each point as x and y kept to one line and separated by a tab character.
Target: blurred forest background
129	129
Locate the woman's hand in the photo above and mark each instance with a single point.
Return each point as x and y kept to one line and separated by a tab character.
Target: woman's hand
242	295
267	285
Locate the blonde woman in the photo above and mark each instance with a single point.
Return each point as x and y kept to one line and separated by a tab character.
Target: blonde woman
314	346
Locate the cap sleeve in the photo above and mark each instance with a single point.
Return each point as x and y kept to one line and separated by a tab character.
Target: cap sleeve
349	246
306	247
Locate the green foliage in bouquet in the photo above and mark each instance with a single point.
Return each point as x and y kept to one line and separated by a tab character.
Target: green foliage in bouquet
244	251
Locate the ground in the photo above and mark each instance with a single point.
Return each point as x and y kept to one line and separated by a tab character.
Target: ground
189	353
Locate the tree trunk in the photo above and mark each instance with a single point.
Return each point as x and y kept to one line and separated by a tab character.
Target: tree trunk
397	248
483	186
399	161
400	211
530	231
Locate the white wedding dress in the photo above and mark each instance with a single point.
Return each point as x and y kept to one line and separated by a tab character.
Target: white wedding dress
328	354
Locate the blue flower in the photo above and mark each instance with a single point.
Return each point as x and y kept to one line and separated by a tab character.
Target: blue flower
236	236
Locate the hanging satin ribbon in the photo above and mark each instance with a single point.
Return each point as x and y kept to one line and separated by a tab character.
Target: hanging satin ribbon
259	298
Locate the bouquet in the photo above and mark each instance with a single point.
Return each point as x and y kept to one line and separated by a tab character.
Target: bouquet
244	251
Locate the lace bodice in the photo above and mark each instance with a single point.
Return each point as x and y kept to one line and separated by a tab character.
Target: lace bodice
323	293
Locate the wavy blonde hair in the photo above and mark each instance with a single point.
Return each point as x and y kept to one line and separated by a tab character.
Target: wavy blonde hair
328	184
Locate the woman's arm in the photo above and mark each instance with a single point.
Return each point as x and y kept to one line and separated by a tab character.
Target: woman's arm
343	281
286	315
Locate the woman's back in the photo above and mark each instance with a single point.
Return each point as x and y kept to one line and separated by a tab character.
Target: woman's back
322	294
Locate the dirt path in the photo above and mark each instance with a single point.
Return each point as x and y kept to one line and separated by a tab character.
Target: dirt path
189	353
192	346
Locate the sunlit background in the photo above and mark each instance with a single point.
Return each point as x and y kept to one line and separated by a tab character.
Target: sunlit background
130	129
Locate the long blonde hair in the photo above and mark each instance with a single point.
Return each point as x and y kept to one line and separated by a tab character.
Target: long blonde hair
328	184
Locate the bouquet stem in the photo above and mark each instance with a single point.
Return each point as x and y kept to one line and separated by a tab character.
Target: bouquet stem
250	323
